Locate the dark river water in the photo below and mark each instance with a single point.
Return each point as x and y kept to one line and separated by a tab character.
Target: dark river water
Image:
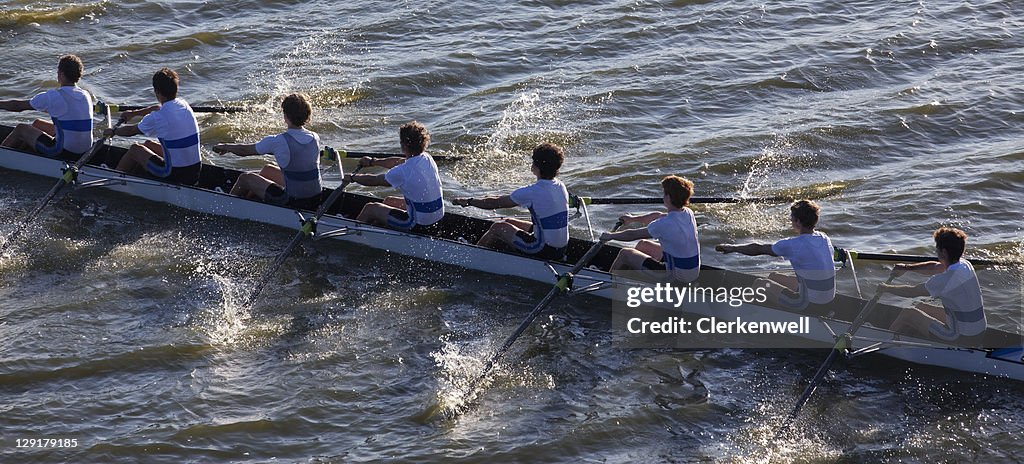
120	320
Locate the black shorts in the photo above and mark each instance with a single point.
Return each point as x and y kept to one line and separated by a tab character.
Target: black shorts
309	204
184	175
527	243
653	265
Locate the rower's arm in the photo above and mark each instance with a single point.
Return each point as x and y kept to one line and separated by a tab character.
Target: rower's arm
124	131
750	249
928	268
389	162
15	105
627	235
129	115
370	180
908	291
642	219
491	202
240	149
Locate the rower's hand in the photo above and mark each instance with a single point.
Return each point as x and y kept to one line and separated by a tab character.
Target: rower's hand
723	248
127	115
108	133
607	236
461	201
884	287
900	269
220	148
365	161
627	218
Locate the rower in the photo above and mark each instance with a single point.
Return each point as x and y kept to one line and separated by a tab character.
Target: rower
547	234
69	135
810	254
953	282
297	182
415	175
677	250
176	158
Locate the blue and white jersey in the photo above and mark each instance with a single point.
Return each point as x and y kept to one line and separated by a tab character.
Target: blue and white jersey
548	202
70	108
677	234
420	183
174	125
811	257
297	152
960	292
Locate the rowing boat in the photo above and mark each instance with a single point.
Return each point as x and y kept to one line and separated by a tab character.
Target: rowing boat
453	244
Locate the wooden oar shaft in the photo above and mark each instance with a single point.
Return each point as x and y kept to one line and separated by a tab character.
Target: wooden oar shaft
841	344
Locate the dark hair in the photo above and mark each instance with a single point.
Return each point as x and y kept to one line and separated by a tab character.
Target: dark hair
296	109
165	81
548	158
414	137
71	67
678	189
952	240
806	212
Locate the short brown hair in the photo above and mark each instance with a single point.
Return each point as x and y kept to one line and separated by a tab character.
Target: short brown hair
414	136
806	212
166	81
297	109
548	158
71	67
951	239
678	189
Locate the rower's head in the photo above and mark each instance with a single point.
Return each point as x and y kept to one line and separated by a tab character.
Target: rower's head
547	160
950	243
678	191
165	85
297	110
804	214
414	138
69	69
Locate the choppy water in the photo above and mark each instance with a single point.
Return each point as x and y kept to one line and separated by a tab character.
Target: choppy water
120	322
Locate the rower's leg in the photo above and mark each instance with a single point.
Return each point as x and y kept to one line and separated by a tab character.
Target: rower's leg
251	185
273	174
786	280
520	224
649	248
915	321
395	202
499	234
45	126
23	137
375	213
134	161
629	259
154	147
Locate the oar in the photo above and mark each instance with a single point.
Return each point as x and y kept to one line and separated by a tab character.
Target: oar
889	257
195	109
561	287
660	200
329	153
70	174
307	228
841	345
